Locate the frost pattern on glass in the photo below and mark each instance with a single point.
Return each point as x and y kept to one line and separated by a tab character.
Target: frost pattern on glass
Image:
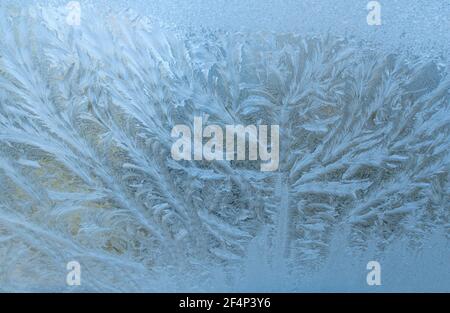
86	172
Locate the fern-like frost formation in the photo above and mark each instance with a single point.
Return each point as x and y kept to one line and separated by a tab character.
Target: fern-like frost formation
86	173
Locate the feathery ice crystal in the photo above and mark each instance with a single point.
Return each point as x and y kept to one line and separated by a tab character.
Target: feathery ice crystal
86	115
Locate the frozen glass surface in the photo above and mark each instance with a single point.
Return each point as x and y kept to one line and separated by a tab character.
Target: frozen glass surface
109	112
